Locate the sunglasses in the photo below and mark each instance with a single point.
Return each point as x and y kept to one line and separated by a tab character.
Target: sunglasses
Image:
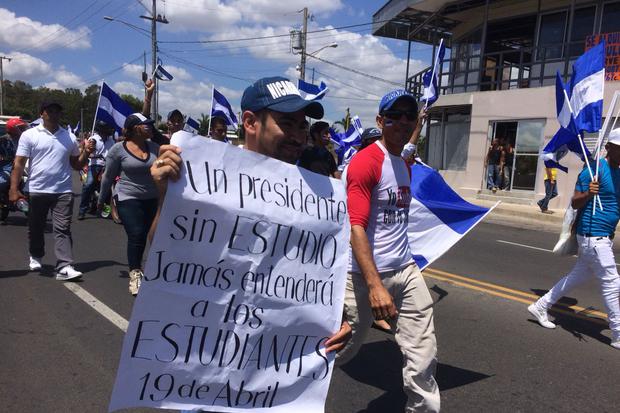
398	114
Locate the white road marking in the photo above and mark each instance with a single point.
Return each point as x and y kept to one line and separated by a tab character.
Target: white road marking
524	246
98	306
531	247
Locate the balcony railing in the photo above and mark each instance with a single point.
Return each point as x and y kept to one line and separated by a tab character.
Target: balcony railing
503	70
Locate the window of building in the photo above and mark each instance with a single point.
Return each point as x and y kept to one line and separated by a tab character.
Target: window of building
449	138
583	26
611	18
551	35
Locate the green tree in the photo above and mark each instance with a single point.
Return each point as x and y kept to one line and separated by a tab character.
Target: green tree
203	121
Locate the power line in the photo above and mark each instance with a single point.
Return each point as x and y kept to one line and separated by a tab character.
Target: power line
346	84
205	68
355	71
243	39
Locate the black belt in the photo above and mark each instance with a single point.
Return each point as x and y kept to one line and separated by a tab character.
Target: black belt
598	237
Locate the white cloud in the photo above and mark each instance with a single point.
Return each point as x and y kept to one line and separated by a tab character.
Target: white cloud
200	15
25	67
274	12
62	79
22	32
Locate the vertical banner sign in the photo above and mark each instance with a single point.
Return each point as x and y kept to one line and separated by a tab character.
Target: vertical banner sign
612	52
243	285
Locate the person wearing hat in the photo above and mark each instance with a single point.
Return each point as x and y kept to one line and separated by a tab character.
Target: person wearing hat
595	233
384	282
316	157
274	119
8	146
104	140
135	193
52	153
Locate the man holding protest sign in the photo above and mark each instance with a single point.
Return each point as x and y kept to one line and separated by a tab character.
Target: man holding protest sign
384	282
262	247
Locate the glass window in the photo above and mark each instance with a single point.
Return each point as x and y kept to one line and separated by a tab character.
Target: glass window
551	35
583	26
611	18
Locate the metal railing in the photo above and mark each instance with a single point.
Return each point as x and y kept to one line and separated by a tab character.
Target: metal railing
507	69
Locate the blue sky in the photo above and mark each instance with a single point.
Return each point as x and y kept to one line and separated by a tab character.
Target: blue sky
64	44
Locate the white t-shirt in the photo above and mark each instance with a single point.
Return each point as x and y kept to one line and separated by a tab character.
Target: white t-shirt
101	149
49	153
378	197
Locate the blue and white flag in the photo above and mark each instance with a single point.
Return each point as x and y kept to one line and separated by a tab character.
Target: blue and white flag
313	92
112	109
563	142
438	216
563	110
191	125
567	138
77	128
161	73
222	109
431	77
358	124
587	89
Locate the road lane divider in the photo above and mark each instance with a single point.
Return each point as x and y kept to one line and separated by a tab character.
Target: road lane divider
111	315
514	295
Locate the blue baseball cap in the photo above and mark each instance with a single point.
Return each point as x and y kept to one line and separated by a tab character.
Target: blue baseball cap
280	95
389	99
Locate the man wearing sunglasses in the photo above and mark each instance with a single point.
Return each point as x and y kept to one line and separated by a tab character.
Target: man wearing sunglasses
384	282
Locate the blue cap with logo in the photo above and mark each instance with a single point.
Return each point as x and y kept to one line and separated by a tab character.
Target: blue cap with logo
280	95
390	98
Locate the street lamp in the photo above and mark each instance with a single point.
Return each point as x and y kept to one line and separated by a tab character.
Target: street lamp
133	26
302	67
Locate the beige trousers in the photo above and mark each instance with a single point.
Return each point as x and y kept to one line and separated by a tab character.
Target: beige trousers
415	331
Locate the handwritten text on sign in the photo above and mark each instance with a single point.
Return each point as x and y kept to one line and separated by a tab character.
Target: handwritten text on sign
243	285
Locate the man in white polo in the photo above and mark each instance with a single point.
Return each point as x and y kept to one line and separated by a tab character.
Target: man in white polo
52	154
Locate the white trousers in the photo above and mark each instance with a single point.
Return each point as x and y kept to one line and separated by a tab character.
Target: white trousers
595	258
415	331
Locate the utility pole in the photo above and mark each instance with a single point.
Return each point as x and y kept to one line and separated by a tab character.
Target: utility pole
2	58
154	18
304	33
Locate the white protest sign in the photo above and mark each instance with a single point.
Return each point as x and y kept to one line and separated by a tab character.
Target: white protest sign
243	285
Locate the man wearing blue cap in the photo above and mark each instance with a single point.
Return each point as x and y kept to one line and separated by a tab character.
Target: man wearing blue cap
384	282
274	120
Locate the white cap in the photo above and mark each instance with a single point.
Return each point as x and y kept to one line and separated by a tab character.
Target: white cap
614	137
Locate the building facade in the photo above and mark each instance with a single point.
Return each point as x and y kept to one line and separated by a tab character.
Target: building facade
498	82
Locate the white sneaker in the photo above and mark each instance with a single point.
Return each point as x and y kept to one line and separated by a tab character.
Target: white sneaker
135	280
35	264
615	340
67	273
540	315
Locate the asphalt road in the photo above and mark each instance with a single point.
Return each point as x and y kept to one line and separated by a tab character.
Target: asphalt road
57	354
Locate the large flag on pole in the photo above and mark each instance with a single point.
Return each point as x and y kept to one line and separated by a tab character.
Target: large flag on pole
112	109
221	108
313	92
438	216
567	138
587	89
431	77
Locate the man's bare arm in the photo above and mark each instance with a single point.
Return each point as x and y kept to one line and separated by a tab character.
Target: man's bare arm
16	177
380	299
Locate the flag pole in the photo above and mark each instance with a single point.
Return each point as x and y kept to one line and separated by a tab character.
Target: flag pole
601	135
433	71
211	112
583	148
92	131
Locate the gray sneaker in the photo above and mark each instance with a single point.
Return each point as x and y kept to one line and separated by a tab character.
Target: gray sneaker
540	314
615	340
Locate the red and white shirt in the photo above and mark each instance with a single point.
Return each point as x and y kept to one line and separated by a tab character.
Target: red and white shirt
378	197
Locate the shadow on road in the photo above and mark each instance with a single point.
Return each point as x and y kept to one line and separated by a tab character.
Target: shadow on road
385	373
574	321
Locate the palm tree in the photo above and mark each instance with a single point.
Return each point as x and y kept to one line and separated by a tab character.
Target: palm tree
204	124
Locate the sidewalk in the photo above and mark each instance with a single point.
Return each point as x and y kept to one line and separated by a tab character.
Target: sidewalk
521	216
